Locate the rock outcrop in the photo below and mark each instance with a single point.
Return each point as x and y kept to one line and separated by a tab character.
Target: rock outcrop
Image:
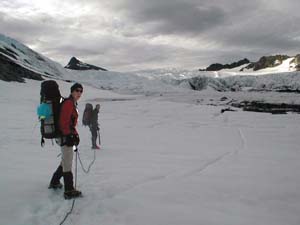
76	64
11	71
219	66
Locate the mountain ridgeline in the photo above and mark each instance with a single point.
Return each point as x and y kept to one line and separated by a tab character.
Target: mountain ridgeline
219	66
263	63
18	62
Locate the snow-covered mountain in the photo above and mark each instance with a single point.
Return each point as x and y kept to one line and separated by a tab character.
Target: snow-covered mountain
19	61
282	63
265	65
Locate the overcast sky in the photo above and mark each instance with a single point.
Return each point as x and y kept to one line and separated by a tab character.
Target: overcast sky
125	35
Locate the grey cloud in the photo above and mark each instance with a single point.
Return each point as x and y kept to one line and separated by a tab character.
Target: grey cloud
274	42
12	4
189	17
27	30
225	31
179	18
166	17
267	32
108	51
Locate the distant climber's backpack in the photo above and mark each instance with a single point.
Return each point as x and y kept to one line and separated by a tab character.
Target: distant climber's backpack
87	114
49	109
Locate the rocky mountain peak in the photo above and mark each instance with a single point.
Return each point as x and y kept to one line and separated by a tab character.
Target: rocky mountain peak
76	64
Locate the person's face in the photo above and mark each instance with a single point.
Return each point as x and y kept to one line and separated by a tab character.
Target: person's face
97	107
76	94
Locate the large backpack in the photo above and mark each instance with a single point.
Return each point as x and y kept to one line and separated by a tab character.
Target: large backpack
49	109
87	114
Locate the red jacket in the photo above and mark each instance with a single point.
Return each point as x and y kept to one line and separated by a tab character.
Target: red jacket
68	117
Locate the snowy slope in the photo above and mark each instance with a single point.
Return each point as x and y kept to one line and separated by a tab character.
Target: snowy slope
284	67
28	58
178	74
271	82
164	81
129	83
164	160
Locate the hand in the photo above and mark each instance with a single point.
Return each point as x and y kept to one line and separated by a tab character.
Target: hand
72	139
76	139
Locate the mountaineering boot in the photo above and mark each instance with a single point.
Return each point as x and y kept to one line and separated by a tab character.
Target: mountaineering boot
70	191
72	194
55	183
96	147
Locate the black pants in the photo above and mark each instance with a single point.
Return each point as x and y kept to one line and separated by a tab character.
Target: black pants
94	136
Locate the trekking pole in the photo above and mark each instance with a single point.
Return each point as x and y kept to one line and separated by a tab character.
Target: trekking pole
76	158
34	127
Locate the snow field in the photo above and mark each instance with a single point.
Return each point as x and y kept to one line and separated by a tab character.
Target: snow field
163	161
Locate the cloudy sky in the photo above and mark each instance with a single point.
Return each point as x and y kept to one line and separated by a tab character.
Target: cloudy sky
124	35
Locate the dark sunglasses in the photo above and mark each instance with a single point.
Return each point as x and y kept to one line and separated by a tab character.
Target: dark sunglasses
79	90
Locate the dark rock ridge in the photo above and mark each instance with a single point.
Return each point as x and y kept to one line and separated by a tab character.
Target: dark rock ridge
9	52
219	66
11	71
296	60
267	61
76	64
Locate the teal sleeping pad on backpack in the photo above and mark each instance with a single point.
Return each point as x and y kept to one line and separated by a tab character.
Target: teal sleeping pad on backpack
44	111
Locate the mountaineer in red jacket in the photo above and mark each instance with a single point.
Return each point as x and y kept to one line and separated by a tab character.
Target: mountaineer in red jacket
67	123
